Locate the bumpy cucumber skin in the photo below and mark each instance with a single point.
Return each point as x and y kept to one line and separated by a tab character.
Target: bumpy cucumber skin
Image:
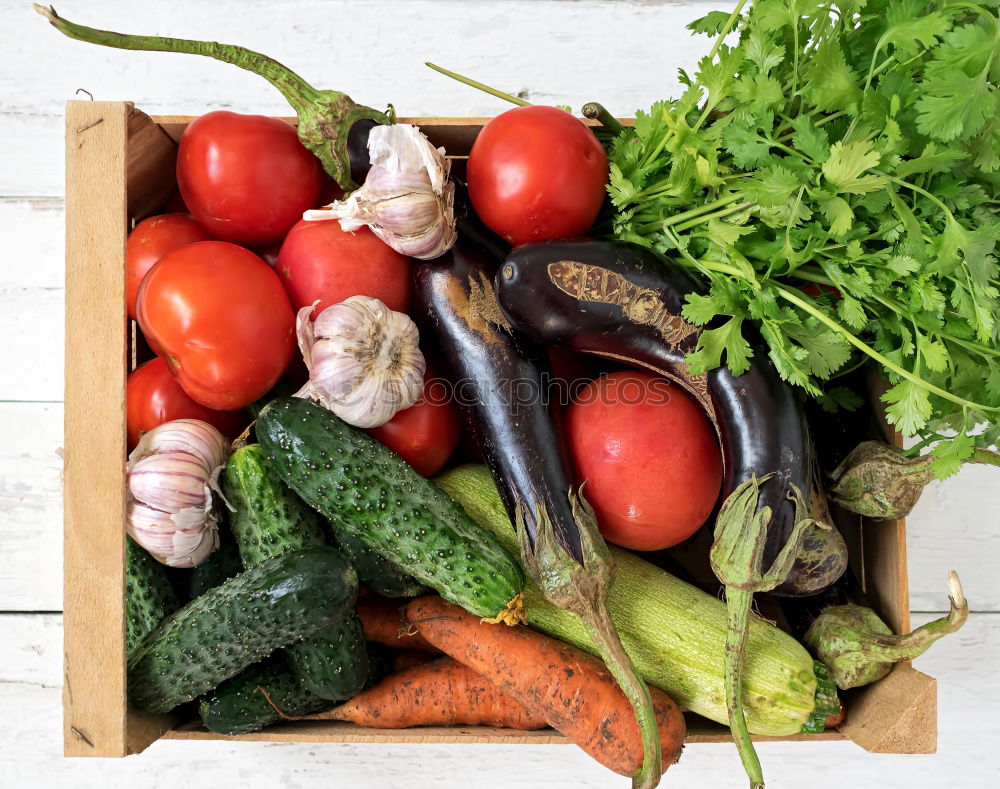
149	597
333	664
278	602
375	570
269	520
371	493
221	565
237	707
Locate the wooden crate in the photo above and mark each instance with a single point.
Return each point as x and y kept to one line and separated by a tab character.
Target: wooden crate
120	168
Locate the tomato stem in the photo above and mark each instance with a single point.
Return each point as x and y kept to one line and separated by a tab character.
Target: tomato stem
325	116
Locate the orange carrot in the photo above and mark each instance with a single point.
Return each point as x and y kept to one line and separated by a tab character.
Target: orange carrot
442	692
403	659
384	623
571	689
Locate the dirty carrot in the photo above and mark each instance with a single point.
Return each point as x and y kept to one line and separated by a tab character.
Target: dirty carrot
442	692
384	622
403	659
571	689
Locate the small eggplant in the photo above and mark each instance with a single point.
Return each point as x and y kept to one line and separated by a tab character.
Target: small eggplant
501	377
853	642
623	301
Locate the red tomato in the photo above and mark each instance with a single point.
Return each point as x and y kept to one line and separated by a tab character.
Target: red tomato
815	290
152	239
218	315
320	261
650	457
426	433
537	173
153	397
246	178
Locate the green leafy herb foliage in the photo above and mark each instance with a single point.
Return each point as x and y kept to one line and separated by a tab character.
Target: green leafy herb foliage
833	171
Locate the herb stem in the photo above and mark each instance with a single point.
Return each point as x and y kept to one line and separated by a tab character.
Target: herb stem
789	296
726	28
479	85
735	209
599	113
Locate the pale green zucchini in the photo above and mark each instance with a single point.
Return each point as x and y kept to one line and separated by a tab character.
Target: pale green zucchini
674	632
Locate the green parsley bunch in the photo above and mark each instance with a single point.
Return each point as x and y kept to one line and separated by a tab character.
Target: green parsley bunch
835	177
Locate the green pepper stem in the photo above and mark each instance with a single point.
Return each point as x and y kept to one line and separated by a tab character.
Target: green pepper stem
295	89
738	604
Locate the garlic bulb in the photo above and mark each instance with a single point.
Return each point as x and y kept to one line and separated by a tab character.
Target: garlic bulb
363	359
171	476
407	199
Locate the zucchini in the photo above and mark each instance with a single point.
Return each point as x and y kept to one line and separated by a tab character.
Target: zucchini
374	570
674	632
269	520
238	707
280	601
149	597
372	494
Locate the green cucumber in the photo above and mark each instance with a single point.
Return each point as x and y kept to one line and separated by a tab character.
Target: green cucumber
268	520
372	494
221	565
374	570
280	601
674	632
238	707
149	597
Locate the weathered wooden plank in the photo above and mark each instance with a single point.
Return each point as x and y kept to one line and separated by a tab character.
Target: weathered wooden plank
624	54
94	421
30	673
31	503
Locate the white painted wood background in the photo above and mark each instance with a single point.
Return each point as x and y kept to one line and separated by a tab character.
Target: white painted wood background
558	51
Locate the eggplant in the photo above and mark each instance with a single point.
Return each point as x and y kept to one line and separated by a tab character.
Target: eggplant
623	301
493	366
853	642
330	124
502	377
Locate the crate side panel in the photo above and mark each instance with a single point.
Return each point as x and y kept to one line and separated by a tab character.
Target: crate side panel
150	165
94	427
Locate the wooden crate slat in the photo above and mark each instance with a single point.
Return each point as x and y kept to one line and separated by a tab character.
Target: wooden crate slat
94	440
126	169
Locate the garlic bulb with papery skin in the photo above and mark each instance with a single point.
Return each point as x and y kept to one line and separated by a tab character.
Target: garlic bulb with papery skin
172	477
407	199
363	359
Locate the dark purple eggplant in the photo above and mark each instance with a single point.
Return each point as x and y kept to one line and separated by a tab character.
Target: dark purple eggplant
623	301
501	378
330	125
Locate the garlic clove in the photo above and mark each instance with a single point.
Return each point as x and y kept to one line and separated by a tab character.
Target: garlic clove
172	479
364	360
407	199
